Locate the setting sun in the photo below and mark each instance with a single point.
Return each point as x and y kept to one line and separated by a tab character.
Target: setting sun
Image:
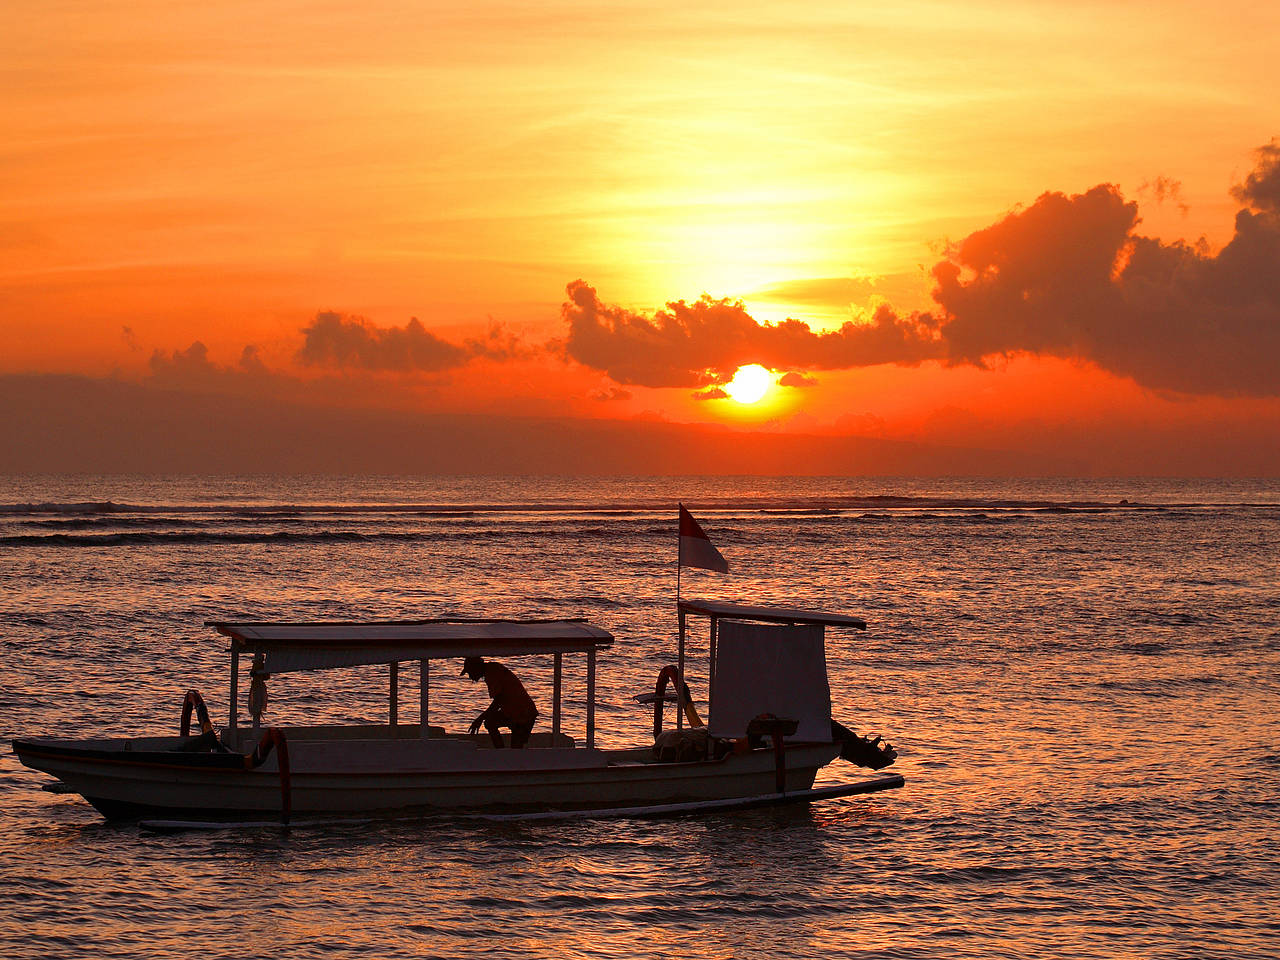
749	384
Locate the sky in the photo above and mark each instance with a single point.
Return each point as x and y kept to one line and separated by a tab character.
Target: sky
1029	238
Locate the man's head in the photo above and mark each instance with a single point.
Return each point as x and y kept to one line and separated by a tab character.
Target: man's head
473	667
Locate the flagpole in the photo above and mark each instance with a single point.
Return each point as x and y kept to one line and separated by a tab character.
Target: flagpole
678	557
702	553
680	642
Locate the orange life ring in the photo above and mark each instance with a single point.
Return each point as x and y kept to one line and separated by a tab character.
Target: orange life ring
668	674
193	699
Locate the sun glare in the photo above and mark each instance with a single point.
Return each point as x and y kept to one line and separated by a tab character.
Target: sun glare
749	384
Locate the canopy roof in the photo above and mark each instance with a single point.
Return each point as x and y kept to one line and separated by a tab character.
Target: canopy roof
739	611
317	646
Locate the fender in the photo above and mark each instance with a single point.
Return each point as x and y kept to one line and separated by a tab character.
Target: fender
274	737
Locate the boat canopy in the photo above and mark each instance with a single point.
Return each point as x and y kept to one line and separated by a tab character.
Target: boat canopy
324	645
770	668
716	610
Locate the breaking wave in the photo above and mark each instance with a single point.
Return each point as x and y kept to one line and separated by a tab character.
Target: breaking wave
771	506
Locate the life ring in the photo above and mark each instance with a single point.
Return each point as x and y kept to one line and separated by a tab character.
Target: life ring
194	700
668	674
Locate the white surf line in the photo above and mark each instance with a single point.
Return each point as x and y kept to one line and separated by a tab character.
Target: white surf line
830	792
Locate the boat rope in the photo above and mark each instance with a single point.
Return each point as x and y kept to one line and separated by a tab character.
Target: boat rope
274	737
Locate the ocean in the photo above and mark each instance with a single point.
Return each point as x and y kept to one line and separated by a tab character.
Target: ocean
1080	676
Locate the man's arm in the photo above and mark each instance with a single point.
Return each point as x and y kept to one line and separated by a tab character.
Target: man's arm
478	721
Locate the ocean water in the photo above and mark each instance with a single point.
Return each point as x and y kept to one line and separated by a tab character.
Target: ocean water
1081	679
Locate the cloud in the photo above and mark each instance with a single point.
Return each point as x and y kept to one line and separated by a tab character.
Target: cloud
68	424
794	379
702	343
1261	188
820	291
192	366
339	341
1067	277
182	366
250	362
1163	189
500	344
192	369
610	395
711	393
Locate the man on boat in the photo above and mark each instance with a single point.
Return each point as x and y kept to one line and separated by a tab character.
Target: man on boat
512	706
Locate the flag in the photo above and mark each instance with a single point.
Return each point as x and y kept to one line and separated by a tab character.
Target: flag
695	546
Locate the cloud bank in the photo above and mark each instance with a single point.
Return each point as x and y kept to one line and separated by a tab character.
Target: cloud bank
702	343
340	341
337	340
1067	277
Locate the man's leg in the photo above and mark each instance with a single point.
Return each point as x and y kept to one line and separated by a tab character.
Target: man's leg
492	724
520	734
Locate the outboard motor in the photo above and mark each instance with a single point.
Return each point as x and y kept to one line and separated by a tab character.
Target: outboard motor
875	754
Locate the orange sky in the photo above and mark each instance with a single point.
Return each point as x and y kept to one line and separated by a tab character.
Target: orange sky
227	173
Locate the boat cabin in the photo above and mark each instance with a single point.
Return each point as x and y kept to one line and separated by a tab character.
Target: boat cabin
288	647
762	660
767	679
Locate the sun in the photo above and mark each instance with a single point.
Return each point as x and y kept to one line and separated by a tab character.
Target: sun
749	384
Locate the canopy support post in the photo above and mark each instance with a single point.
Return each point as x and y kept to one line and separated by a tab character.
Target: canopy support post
711	675
394	694
680	685
424	696
591	698
235	686
556	681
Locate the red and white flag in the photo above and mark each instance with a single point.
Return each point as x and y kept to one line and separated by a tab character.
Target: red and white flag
696	549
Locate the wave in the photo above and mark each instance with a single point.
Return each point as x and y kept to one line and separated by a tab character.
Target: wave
207	536
200	537
770	506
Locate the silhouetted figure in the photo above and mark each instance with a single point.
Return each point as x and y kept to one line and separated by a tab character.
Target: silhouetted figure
512	706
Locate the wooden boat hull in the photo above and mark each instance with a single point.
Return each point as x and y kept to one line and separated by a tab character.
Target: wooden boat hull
136	779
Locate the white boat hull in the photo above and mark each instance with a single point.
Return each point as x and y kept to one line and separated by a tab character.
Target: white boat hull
134	779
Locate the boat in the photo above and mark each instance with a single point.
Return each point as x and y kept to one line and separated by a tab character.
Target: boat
769	730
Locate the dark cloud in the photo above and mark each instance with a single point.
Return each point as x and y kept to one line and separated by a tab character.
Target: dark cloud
1261	188
251	363
1038	280
65	424
710	393
702	343
340	341
182	366
794	379
611	395
500	344
193	368
1066	277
